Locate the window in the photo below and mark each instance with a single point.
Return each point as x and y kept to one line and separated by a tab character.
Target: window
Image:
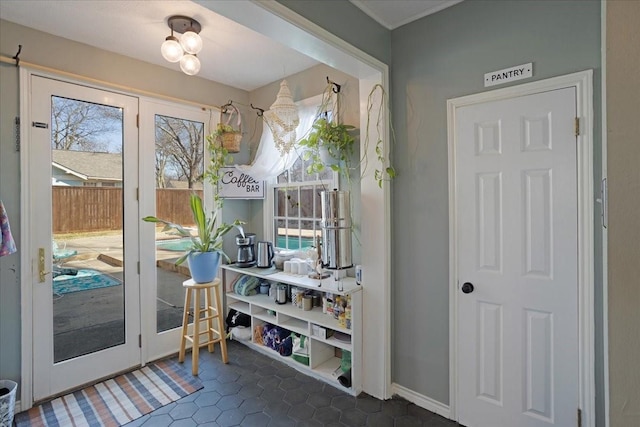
296	205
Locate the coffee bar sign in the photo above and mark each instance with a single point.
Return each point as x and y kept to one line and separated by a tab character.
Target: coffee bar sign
235	184
499	77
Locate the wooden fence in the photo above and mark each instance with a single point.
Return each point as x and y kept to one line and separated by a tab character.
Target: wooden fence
88	209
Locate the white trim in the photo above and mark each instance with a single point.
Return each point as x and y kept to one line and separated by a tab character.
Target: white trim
26	293
605	231
421	400
583	83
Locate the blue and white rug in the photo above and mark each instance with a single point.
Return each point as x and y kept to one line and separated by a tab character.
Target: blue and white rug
85	279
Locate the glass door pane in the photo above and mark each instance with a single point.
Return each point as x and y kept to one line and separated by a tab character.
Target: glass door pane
88	227
179	169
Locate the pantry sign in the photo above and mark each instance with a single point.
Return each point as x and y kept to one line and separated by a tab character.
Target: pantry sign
235	184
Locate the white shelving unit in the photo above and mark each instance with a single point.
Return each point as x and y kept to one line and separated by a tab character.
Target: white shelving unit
323	363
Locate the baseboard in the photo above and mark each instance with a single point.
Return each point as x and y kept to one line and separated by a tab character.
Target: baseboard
422	401
17	407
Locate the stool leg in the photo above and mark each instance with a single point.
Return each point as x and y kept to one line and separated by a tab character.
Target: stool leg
185	325
223	337
196	335
209	315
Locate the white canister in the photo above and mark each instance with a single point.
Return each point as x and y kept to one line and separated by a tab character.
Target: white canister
295	267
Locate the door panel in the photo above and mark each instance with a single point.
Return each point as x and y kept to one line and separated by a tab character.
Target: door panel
83	220
516	216
173	156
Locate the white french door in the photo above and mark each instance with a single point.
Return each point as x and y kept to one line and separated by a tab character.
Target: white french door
173	155
83	225
516	218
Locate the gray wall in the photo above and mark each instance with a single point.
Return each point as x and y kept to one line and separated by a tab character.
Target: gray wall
443	56
10	196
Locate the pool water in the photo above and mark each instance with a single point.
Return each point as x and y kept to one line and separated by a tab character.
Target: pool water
294	242
181	245
178	245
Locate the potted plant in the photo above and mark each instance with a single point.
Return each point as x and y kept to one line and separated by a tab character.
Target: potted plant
226	135
219	157
328	144
204	255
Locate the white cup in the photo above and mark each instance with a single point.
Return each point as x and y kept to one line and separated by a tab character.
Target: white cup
295	265
287	266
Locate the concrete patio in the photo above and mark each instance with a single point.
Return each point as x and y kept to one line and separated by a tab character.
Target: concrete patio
93	319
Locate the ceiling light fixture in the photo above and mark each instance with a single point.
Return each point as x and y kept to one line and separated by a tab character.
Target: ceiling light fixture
185	49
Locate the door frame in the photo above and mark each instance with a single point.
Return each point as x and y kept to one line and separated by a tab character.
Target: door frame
583	83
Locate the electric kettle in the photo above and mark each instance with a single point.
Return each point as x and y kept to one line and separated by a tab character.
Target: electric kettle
264	258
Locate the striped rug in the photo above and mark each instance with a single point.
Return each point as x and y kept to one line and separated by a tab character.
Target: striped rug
116	401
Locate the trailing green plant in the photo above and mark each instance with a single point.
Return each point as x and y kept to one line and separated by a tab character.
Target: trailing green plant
209	236
385	171
219	157
335	139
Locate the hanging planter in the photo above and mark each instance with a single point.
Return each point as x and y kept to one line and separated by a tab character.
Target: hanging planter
226	135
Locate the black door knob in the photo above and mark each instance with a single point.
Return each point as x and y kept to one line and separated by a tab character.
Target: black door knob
467	288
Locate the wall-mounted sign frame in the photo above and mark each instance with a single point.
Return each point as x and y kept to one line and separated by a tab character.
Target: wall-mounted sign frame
511	74
235	184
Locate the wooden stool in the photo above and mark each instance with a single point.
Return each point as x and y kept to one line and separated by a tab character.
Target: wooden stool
210	312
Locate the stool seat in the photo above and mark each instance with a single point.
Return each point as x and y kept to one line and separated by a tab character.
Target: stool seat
212	310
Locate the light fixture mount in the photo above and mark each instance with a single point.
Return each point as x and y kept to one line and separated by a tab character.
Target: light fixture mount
181	24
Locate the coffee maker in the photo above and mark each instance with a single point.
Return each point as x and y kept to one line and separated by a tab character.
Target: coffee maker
246	250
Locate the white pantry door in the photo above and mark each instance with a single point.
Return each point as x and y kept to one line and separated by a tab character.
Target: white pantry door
517	219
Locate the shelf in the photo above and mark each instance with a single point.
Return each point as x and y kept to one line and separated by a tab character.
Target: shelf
241	306
294	325
325	372
315	316
330	370
323	363
264	316
324	285
334	342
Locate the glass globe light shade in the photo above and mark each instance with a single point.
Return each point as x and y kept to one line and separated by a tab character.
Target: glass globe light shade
171	49
190	64
191	42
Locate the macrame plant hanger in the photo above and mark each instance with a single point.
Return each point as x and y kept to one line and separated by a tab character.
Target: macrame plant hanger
283	120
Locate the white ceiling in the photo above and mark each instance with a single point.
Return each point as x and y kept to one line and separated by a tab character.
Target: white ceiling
395	13
232	54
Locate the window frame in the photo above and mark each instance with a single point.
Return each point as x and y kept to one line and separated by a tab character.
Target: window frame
272	187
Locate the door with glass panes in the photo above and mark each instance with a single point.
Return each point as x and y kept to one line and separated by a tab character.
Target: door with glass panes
83	234
173	154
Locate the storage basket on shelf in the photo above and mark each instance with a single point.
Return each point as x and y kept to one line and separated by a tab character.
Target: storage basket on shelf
227	135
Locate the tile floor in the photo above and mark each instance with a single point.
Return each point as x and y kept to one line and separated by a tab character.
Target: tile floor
256	390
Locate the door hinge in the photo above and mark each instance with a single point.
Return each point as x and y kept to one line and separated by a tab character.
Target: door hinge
579	417
140	341
137	120
577	126
138	194
604	209
17	123
138	267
